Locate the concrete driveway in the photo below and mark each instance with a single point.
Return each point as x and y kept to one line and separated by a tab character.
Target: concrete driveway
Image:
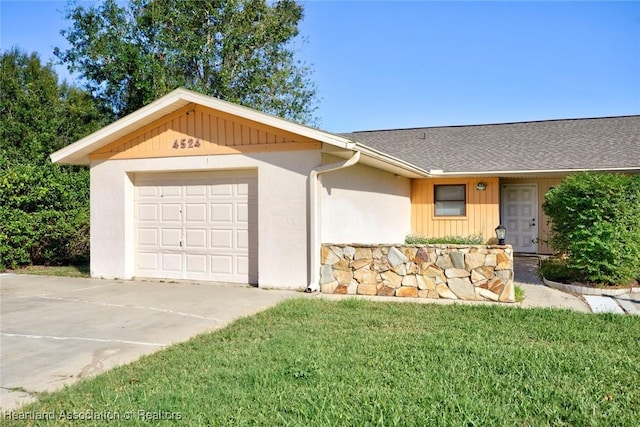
57	330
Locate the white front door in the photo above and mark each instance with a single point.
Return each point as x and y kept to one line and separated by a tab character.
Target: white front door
197	226
520	216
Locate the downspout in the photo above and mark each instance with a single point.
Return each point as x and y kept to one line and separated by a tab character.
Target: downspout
314	224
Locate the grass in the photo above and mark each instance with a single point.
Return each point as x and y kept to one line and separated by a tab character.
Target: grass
519	293
310	362
80	270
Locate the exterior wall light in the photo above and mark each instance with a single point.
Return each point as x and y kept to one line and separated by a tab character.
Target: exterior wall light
481	186
501	233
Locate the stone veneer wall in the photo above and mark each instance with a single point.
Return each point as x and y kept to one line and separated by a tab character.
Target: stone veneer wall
478	272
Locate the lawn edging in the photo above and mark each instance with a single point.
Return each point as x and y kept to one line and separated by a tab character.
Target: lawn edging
585	290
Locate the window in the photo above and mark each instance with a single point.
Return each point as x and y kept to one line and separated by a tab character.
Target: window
450	200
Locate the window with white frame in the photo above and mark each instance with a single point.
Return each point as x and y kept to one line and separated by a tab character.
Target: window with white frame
450	200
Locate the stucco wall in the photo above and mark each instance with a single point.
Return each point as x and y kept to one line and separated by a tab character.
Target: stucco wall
282	211
365	205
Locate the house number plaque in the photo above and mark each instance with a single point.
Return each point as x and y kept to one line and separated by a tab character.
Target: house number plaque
185	143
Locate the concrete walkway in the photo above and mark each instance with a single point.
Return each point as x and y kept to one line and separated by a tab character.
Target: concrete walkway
537	294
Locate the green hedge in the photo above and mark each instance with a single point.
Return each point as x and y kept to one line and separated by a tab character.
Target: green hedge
44	215
595	221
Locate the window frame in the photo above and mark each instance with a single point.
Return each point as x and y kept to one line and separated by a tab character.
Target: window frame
435	201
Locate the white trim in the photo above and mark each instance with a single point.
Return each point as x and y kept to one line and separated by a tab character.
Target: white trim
438	173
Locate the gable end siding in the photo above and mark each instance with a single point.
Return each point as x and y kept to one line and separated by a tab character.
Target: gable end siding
200	131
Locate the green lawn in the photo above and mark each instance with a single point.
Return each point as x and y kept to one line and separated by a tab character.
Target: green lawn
311	362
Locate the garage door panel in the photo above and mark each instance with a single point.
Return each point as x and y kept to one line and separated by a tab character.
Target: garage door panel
242	213
242	265
218	190
148	237
199	191
221	239
197	226
195	239
221	264
242	189
196	212
196	263
171	262
242	239
148	192
172	212
148	212
148	261
221	212
171	237
171	191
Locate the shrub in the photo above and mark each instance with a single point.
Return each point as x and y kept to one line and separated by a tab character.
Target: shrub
452	240
595	221
555	269
44	215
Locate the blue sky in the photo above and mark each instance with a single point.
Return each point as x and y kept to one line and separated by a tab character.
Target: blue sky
389	64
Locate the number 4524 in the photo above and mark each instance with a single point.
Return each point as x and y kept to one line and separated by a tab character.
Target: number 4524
185	143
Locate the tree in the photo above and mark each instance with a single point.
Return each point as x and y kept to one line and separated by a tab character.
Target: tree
44	208
237	50
38	116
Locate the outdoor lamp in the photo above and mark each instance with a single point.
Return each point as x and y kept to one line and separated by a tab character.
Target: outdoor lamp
501	233
481	186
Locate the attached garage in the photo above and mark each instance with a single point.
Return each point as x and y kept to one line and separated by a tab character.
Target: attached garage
197	226
194	188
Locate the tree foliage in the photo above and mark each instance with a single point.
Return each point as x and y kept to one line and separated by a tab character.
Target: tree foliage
237	50
44	208
595	221
37	115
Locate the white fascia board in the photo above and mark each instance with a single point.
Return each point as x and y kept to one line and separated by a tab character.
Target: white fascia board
378	160
441	174
406	168
78	152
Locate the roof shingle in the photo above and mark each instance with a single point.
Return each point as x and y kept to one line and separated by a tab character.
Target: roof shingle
583	144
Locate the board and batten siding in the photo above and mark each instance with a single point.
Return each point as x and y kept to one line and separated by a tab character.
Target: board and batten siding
544	184
482	209
195	130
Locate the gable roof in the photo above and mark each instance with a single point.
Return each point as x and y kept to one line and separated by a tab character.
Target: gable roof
78	152
607	143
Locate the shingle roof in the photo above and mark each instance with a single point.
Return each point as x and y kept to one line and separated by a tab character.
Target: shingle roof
584	144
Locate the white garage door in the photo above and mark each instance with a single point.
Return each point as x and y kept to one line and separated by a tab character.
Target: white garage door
199	226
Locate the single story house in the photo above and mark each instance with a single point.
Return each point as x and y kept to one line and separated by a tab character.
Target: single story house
196	188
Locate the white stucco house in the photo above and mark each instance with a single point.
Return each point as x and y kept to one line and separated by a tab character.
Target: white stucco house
192	187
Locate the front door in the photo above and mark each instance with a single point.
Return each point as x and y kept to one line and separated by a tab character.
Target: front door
520	216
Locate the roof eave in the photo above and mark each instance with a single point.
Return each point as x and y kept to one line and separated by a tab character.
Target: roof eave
531	172
379	160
